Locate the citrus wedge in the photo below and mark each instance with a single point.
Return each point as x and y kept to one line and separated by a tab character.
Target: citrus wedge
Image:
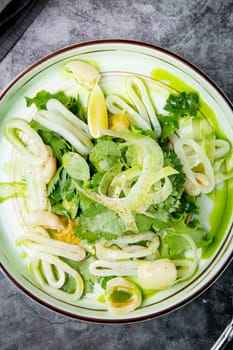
97	115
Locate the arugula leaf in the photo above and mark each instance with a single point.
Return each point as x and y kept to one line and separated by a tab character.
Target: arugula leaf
183	104
104	155
98	221
54	181
70	102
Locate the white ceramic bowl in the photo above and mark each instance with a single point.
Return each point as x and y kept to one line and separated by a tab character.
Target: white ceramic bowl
117	57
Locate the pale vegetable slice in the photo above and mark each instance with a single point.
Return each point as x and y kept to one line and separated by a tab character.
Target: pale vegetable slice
48	168
123	181
26	141
196	182
223	168
48	284
159	274
113	268
54	281
138	93
45	219
122	296
84	73
37	190
222	147
97	112
38	243
73	135
59	110
130	239
116	105
104	251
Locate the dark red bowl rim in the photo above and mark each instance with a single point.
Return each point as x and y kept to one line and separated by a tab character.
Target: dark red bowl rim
223	267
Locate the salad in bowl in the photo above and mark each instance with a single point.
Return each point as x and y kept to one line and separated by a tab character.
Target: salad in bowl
118	181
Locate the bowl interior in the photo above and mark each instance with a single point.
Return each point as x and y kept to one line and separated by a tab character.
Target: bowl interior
165	72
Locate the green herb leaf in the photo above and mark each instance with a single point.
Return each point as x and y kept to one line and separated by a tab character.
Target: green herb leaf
183	104
63	196
168	124
76	166
98	221
146	223
104	155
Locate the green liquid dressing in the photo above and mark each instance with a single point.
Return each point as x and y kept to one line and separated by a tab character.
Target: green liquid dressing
101	299
120	296
219	217
222	196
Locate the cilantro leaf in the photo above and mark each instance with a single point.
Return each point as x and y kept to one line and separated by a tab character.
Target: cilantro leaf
146	223
173	203
173	246
63	196
98	221
183	104
104	155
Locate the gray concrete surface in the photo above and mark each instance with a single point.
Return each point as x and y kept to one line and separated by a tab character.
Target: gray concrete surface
200	31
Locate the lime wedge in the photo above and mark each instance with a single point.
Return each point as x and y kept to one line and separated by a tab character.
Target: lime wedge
97	115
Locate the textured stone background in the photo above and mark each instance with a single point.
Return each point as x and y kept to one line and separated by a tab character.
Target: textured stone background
200	31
